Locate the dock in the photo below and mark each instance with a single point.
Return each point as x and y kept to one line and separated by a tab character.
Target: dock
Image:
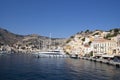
109	62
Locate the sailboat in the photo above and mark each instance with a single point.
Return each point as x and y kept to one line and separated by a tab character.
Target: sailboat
50	51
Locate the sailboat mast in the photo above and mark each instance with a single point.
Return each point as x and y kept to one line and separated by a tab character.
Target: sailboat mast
50	41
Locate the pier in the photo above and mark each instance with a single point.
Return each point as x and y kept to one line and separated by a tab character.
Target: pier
109	62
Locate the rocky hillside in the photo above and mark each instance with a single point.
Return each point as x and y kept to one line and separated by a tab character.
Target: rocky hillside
107	34
31	42
8	38
81	41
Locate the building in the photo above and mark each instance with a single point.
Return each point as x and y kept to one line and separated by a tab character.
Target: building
102	46
118	44
118	40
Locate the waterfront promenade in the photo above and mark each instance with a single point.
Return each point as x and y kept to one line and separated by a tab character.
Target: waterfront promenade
99	60
105	61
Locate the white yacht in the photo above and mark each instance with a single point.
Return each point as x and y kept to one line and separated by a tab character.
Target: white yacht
50	51
53	53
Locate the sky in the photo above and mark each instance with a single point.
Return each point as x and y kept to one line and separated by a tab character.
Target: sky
61	18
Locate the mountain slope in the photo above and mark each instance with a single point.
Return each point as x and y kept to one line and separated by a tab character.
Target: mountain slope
8	38
11	39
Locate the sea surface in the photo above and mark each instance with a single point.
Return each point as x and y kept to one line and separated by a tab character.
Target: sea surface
28	67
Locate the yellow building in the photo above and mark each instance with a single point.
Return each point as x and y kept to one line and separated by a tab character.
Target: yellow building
102	46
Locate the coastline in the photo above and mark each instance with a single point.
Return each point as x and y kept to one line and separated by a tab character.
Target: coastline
104	61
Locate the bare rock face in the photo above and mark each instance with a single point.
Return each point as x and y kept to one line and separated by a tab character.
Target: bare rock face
31	42
8	38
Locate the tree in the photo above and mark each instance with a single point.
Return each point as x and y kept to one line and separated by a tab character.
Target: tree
96	34
116	30
87	31
90	42
108	36
81	32
83	39
68	40
72	37
91	53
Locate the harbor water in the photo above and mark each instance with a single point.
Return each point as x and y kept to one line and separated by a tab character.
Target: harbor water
28	67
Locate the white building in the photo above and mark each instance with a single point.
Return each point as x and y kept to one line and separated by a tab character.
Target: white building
102	46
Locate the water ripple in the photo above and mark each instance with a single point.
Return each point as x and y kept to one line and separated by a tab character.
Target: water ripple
26	67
